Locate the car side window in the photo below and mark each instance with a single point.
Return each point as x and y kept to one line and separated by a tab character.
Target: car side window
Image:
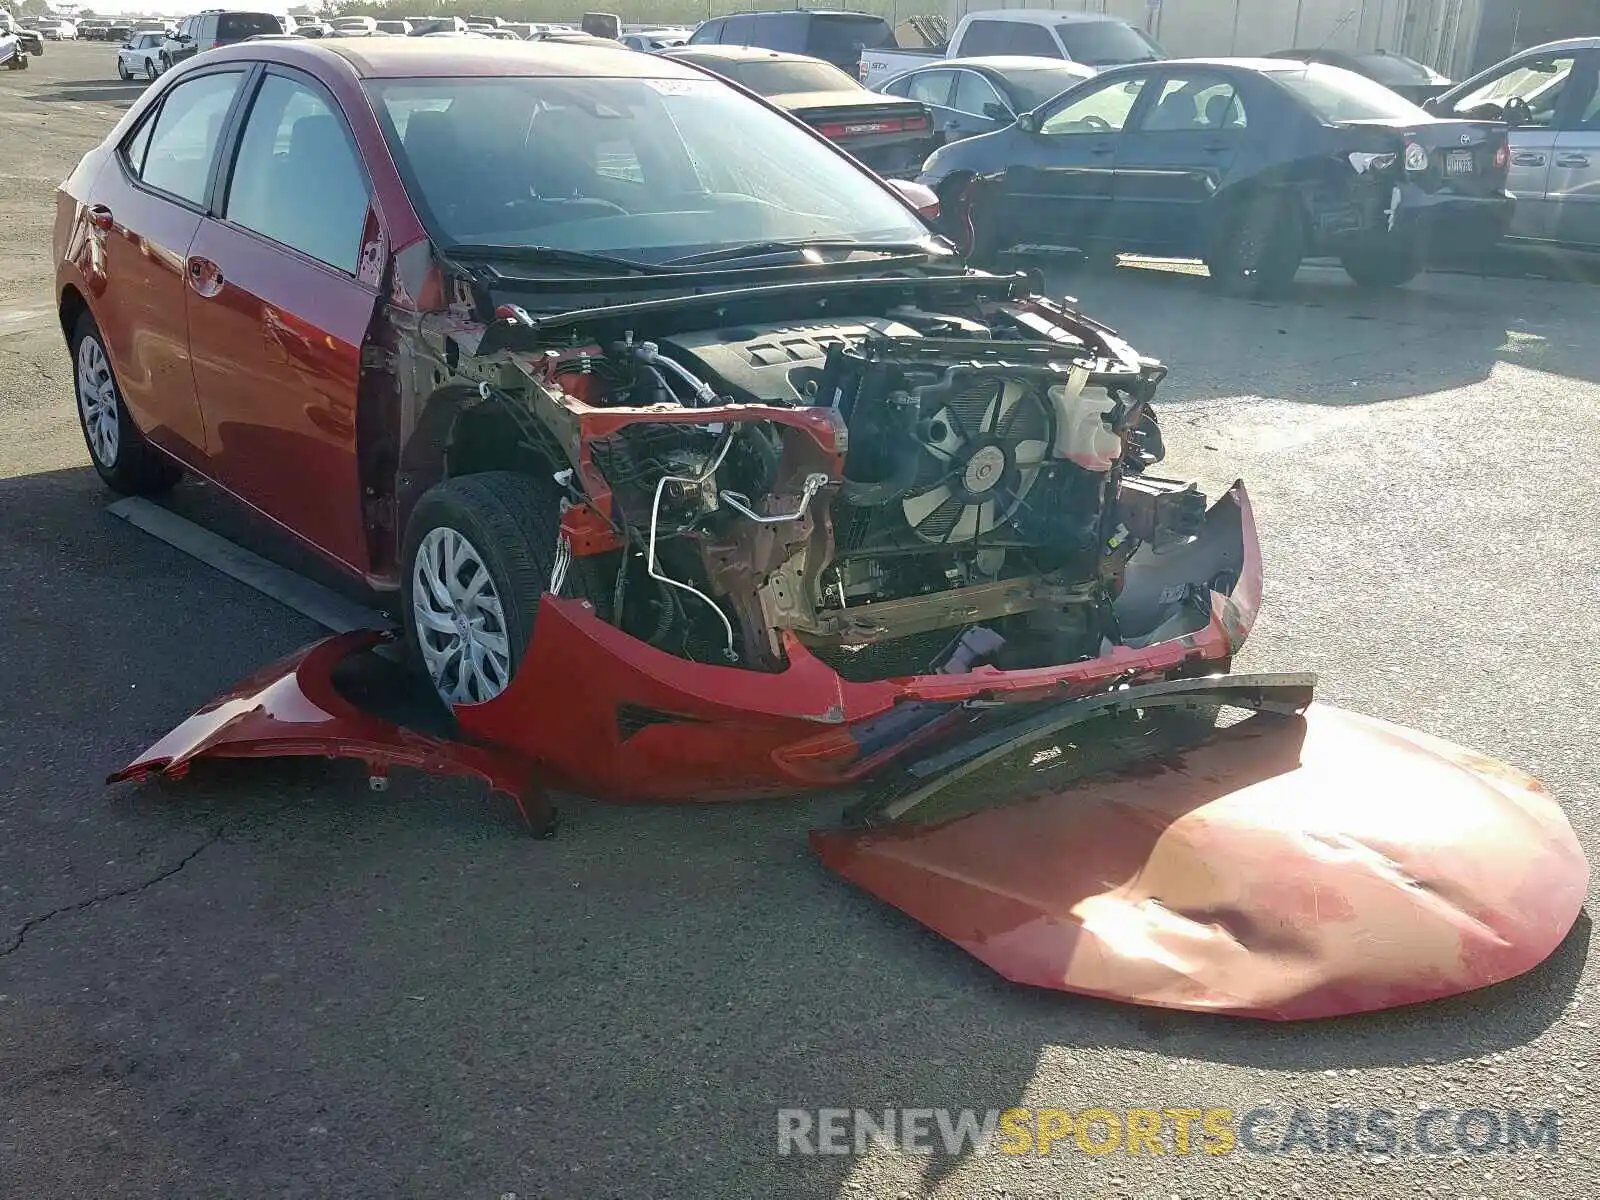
1195	105
736	31
133	150
297	179
1529	91
185	135
974	93
1103	109
986	37
711	31
931	87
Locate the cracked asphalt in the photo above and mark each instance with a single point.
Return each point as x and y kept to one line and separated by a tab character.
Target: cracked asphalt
267	981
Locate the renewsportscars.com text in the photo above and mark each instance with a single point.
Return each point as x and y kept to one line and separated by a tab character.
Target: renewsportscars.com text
1099	1131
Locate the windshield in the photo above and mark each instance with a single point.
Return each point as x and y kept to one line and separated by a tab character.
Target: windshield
1033	88
778	77
1338	96
1106	43
646	169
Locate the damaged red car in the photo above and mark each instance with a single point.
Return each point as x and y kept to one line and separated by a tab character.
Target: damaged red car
699	466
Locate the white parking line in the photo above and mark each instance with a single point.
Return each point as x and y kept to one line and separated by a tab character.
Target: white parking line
304	596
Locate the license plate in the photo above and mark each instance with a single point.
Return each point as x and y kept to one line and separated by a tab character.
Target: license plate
1458	162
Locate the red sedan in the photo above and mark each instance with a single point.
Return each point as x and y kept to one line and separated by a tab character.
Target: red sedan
705	470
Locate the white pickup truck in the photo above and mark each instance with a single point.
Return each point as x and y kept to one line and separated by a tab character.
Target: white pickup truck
1092	39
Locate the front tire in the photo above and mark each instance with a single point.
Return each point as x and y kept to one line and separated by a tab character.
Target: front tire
122	71
166	63
1259	250
123	458
1381	269
480	551
150	71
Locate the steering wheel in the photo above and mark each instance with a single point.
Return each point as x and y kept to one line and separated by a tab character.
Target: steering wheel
1516	111
1097	123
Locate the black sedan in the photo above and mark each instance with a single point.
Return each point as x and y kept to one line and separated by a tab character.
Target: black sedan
1404	76
1250	165
969	96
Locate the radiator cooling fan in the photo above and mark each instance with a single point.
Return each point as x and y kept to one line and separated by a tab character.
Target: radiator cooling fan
982	451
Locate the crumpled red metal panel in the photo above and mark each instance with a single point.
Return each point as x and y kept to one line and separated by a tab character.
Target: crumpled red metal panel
724	733
291	709
1289	868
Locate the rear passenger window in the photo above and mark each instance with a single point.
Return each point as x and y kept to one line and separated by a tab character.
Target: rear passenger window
711	31
184	137
297	179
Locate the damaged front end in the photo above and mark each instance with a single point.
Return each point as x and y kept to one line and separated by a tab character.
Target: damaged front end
791	544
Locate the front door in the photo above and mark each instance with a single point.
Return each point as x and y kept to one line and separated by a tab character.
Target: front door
1059	193
1575	161
1529	93
1173	160
280	298
975	107
154	198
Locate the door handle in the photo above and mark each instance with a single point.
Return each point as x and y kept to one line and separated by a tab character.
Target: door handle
1526	159
205	277
1572	160
1102	148
100	217
1214	147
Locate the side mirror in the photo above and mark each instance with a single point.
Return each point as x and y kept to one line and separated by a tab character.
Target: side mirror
1028	122
996	111
919	195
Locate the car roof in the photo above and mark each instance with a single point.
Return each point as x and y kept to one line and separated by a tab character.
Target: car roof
1043	14
800	12
1577	43
735	53
1004	62
401	58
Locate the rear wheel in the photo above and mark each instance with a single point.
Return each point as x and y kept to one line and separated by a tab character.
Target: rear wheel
1260	248
125	460
1382	269
480	551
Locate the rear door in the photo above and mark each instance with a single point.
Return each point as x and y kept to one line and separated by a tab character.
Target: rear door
155	196
1574	188
933	89
1061	194
1174	159
283	283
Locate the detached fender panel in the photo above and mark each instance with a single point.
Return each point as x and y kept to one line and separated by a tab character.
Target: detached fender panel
291	709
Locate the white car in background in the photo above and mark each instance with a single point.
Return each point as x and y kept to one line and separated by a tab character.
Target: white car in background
140	56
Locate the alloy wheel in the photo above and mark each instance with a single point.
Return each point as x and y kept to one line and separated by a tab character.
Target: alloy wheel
97	403
460	622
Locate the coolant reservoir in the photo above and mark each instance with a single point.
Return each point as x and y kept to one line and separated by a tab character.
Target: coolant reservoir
1082	436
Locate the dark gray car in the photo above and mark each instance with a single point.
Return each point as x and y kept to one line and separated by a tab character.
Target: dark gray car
969	96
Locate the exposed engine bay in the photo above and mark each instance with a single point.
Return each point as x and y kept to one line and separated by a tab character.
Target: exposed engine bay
878	487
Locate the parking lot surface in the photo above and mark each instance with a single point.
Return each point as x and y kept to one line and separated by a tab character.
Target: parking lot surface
267	980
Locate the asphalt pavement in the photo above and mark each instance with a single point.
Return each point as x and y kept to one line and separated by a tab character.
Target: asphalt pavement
267	980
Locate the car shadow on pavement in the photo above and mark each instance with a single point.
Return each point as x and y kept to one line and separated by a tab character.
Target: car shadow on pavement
112	91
